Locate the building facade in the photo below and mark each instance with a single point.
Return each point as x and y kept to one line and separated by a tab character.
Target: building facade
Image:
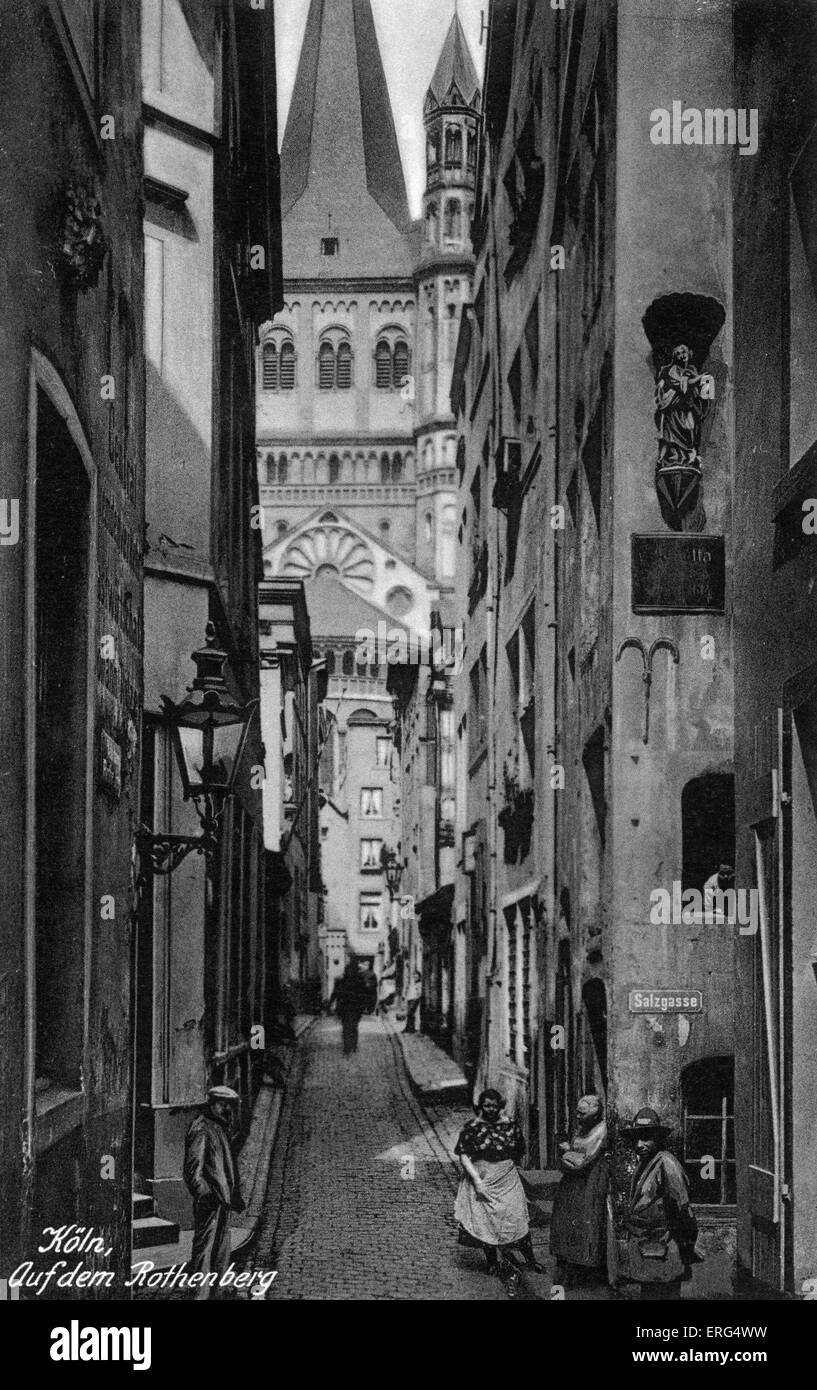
596	723
71	616
774	634
356	444
212	272
293	687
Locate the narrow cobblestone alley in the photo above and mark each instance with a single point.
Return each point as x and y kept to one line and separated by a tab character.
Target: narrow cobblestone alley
345	1218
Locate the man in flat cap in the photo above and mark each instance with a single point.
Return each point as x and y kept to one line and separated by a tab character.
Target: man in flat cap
659	1221
212	1180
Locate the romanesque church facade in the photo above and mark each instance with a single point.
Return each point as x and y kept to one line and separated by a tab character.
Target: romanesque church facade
356	439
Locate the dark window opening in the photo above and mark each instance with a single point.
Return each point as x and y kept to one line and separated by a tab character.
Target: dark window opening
382	366
269	373
707	827
400	364
287	367
344	367
708	1129
330	246
532	340
594	998
326	367
515	384
453	145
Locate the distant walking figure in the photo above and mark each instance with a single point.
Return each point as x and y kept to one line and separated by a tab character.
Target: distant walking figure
212	1180
349	998
491	1206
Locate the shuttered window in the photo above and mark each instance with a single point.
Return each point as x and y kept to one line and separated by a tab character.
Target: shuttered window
326	367
287	367
344	367
383	365
400	364
269	375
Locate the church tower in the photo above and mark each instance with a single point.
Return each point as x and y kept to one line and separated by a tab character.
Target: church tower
334	429
444	279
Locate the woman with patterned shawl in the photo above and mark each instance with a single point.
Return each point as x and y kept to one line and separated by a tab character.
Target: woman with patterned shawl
491	1206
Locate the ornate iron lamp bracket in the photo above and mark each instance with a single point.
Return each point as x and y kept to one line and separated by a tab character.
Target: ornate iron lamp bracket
162	853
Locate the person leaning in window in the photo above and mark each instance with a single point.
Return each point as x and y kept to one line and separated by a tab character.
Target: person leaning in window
491	1207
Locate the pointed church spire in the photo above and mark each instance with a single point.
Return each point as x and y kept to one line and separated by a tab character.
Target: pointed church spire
455	81
340	161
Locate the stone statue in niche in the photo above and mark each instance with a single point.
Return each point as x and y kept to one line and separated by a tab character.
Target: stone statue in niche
682	397
681	329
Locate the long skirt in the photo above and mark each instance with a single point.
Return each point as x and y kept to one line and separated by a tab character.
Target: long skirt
578	1225
503	1218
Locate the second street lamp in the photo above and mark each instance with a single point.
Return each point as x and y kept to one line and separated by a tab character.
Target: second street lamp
393	870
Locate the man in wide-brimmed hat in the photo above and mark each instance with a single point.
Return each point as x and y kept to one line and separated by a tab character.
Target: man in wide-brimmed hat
212	1181
661	1228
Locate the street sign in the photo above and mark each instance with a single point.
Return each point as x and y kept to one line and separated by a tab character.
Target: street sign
666	1001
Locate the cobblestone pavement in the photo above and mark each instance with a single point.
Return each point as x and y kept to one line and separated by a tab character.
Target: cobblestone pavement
361	1190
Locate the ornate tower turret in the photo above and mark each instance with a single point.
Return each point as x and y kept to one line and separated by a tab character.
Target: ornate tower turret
451	114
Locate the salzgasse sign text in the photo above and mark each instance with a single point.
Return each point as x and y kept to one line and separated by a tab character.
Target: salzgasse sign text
664	1001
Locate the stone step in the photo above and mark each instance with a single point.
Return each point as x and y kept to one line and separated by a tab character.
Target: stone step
142	1205
154	1230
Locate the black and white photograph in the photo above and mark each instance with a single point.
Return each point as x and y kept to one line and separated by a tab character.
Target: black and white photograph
408	666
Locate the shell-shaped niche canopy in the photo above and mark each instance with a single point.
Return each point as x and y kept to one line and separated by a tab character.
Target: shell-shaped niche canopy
331	550
693	319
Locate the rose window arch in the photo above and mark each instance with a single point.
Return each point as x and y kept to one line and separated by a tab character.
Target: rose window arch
331	550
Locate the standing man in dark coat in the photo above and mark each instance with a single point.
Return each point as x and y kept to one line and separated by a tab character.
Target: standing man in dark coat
349	998
212	1180
661	1226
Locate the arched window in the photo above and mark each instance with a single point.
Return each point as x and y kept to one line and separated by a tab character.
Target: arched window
382	365
334	468
326	367
400	363
433	147
344	367
330	663
471	149
397	468
348	664
453	145
428	524
385	468
277	472
431	222
269	371
287	366
453	220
